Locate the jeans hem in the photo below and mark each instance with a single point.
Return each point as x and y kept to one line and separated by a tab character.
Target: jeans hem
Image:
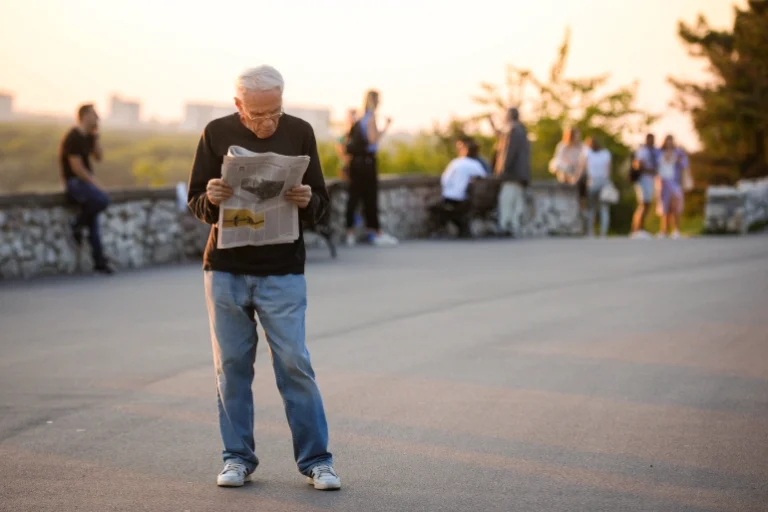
308	472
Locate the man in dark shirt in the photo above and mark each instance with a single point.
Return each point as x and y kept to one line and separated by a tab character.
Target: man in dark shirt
264	280
75	151
513	166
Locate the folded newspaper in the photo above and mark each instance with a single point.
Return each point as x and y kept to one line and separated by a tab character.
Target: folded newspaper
258	213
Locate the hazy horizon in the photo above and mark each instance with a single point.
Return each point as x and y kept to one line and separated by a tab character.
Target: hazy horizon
427	59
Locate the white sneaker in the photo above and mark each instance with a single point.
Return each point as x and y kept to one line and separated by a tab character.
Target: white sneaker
640	235
384	240
351	240
324	478
675	235
661	235
234	474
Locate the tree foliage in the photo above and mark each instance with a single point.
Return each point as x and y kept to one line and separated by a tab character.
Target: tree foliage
28	158
549	105
730	112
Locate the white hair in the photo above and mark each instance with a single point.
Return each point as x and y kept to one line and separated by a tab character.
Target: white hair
261	78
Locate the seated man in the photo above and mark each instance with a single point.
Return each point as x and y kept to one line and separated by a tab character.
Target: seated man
455	181
79	146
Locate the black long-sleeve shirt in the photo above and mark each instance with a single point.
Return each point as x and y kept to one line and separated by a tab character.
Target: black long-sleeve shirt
293	137
517	156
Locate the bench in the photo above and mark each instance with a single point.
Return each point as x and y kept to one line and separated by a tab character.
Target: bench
324	230
482	198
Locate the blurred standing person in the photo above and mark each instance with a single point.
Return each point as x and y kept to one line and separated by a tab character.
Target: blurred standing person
75	152
513	166
644	166
596	167
362	147
567	158
673	167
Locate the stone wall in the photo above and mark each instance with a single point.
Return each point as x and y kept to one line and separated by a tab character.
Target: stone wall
737	209
148	227
140	228
551	208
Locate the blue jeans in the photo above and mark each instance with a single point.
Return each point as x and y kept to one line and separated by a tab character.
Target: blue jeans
280	302
92	201
593	204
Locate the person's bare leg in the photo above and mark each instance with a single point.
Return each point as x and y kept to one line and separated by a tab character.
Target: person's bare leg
673	222
674	215
644	215
663	224
638	217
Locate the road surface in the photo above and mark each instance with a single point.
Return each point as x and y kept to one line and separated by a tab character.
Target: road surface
543	375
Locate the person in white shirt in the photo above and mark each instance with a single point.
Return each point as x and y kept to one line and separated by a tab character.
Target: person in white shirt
455	182
596	165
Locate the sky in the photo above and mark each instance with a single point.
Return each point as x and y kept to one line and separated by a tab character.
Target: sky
427	57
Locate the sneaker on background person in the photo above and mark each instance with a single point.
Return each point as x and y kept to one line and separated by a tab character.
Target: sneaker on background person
383	240
640	235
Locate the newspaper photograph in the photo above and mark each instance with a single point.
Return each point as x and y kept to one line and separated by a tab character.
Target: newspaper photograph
258	213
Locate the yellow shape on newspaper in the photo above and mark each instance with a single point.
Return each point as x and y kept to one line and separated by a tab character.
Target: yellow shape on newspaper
239	218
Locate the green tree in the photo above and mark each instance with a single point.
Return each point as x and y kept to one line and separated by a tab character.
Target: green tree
149	171
549	105
559	101
730	113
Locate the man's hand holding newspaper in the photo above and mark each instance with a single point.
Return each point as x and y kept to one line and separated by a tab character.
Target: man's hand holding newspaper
218	191
259	195
300	195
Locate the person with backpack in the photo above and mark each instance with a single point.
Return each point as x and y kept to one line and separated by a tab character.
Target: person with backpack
362	145
341	145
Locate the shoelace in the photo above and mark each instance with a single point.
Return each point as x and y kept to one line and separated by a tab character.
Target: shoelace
234	466
323	470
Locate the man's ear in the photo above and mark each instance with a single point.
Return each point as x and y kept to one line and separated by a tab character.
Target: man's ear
238	103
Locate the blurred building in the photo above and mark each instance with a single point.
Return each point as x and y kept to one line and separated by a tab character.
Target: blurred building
318	117
198	115
6	107
124	113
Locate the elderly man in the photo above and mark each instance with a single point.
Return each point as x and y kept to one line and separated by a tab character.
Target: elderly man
267	280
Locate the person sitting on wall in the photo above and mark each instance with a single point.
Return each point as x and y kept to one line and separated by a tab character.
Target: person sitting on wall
77	148
455	180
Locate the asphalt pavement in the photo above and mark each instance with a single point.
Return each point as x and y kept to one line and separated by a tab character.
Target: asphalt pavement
534	375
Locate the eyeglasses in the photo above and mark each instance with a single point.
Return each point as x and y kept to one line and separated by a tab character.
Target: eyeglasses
261	118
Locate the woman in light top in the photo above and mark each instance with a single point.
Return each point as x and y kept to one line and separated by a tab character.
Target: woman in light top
596	168
364	178
568	155
673	165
